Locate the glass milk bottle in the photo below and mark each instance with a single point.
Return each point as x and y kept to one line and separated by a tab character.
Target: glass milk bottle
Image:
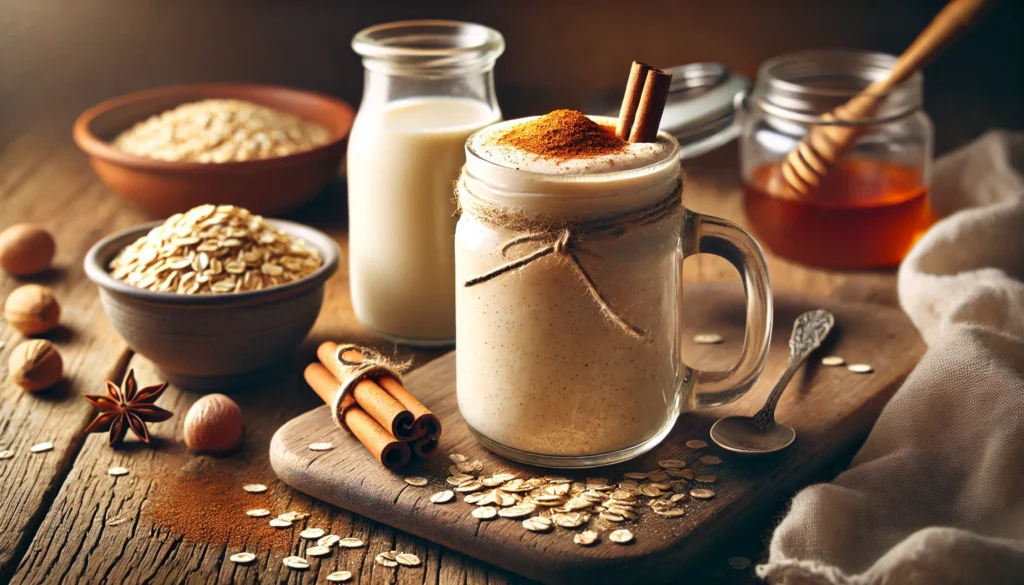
429	84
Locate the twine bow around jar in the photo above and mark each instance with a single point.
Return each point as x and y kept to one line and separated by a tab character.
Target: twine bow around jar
562	239
372	365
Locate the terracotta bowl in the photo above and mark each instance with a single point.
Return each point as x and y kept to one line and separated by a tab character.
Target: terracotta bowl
213	342
161	188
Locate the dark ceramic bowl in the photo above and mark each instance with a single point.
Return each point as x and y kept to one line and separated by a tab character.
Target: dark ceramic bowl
213	341
162	188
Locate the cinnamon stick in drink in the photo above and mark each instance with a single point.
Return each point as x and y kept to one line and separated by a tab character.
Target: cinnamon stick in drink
651	107
373	399
631	99
391	452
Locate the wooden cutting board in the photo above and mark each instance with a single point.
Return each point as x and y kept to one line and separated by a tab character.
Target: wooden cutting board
831	408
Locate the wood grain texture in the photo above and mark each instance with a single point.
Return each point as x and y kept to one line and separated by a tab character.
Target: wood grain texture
830	408
59	519
59	193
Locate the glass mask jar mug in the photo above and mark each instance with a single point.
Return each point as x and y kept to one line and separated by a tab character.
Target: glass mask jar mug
873	204
569	290
428	86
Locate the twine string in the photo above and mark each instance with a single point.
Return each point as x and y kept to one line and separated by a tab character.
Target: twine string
565	240
372	364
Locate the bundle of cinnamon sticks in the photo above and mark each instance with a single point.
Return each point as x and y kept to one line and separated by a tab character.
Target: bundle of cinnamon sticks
389	421
643	104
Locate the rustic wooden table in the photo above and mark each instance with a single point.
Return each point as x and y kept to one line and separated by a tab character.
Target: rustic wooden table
63	519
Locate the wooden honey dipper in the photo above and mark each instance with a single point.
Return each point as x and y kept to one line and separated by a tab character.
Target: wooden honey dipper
807	164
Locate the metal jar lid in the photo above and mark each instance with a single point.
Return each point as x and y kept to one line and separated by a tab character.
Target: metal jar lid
700	111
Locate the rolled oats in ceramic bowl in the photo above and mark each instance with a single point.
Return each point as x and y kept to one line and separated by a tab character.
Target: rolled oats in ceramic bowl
215	296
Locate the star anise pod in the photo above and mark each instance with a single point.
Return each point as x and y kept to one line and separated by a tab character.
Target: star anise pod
121	408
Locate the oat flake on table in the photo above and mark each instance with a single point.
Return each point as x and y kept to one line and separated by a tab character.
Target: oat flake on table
41	447
696	444
320	446
832	360
339	576
242	558
312	533
407	559
297	563
417	481
329	540
117	471
258	513
255	488
318	551
860	368
6	454
350	542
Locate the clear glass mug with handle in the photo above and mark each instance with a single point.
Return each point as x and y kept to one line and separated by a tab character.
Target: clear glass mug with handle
569	340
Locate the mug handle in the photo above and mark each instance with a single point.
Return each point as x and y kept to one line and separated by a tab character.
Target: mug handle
705	234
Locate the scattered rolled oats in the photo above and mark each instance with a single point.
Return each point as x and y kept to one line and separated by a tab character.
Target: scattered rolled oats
537	524
219	131
318	551
635	475
707	338
860	368
350	542
442	497
117	471
386	559
293	516
672	463
339	577
407	559
711	460
242	558
214	249
457	458
255	488
669	512
297	563
41	447
329	540
696	444
258	513
702	494
518	511
279	523
321	446
311	533
417	481
485	512
6	454
831	360
585	538
705	479
621	536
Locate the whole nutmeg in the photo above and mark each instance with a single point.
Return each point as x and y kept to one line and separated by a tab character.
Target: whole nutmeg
32	309
213	425
35	365
26	249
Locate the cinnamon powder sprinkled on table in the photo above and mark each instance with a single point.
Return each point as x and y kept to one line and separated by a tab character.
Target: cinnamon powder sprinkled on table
563	134
205	503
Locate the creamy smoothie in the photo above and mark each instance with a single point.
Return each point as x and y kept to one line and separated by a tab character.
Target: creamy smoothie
540	369
402	161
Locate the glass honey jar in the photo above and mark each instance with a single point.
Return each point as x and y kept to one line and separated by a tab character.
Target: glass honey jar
872	206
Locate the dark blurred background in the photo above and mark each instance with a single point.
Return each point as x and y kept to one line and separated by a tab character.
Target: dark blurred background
59	56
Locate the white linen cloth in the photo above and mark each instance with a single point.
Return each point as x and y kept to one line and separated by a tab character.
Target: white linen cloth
936	494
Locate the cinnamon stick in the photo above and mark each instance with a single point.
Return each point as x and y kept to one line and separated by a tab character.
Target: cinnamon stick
631	99
424	447
426	421
373	399
651	107
391	452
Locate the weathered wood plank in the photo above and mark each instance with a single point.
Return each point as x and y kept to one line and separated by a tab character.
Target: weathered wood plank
47	182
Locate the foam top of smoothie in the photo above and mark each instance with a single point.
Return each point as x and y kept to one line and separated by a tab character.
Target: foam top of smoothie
565	142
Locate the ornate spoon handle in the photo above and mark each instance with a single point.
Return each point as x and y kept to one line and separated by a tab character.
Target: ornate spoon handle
809	331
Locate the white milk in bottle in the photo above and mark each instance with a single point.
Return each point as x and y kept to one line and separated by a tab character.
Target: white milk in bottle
401	167
429	85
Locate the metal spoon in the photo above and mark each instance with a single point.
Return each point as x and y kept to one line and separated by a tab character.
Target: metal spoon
758	434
